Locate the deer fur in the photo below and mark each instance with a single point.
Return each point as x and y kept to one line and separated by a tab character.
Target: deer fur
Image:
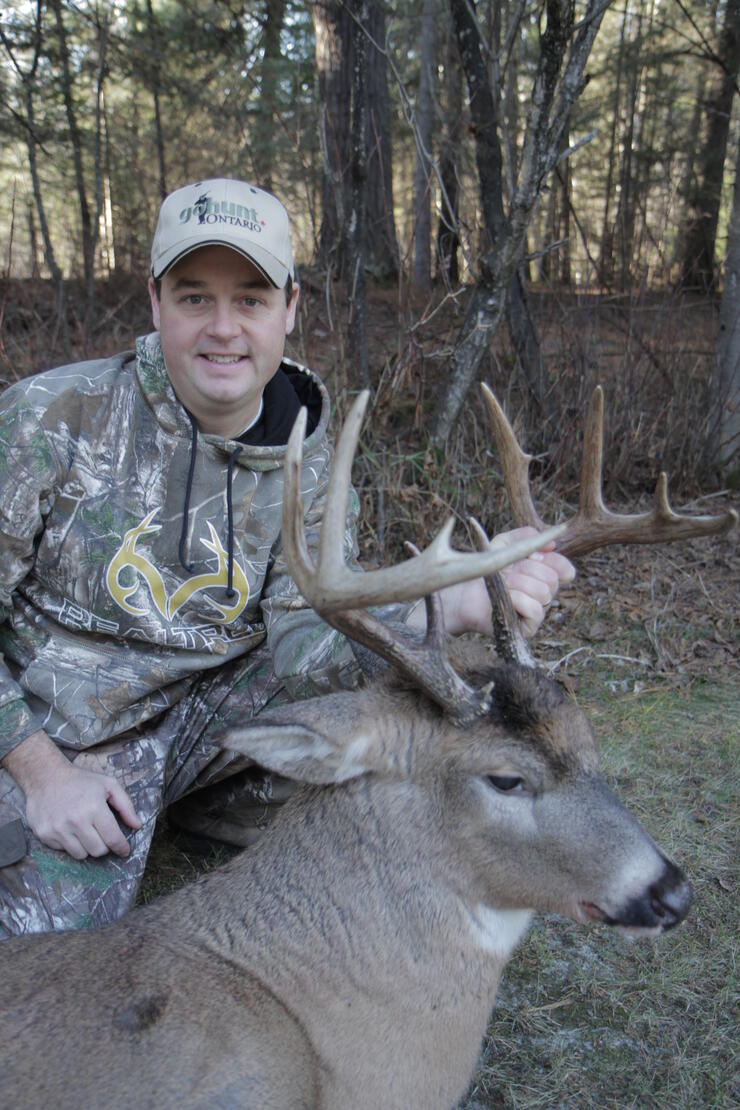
352	957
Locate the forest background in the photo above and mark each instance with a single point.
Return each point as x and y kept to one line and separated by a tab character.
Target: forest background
544	195
540	194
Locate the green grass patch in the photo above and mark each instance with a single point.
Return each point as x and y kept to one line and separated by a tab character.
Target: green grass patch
588	1018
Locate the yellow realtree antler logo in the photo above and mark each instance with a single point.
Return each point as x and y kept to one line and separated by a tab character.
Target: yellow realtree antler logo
128	556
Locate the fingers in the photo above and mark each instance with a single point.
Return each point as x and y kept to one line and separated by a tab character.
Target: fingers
563	567
73	813
530	612
75	837
119	800
534	582
534	579
553	560
106	836
83	842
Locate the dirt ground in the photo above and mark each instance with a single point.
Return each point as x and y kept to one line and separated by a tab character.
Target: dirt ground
646	640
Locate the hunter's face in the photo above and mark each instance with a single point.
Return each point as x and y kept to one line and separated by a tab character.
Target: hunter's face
223	330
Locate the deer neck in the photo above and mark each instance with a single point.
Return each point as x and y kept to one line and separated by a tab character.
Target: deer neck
370	932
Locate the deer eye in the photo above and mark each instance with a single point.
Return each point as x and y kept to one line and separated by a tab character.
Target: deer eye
506	784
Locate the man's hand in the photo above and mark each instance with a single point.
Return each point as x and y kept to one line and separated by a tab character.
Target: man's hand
67	807
532	584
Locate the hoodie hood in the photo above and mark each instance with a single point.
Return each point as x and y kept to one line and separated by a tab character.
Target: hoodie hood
292	387
173	417
137	553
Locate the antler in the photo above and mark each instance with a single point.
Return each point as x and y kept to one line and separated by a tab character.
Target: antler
594	525
341	596
331	585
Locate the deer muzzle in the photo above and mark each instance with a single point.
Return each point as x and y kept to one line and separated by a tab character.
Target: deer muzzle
664	904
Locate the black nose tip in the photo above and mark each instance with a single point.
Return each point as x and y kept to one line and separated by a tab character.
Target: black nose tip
670	897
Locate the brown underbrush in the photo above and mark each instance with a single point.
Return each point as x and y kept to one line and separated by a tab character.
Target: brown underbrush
646	639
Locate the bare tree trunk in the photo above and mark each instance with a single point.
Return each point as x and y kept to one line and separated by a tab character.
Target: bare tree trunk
28	81
33	246
332	29
558	82
422	270
448	237
382	243
335	39
697	268
724	422
560	230
555	263
356	247
485	114
264	144
691	154
153	71
98	173
606	253
76	143
629	144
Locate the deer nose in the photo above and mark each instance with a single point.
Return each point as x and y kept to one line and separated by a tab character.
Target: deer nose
670	897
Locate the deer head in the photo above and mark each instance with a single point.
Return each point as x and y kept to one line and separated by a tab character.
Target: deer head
507	758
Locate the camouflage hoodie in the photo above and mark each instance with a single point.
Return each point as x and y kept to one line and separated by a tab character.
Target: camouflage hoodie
107	495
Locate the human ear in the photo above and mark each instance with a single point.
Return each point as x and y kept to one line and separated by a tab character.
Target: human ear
291	311
154	299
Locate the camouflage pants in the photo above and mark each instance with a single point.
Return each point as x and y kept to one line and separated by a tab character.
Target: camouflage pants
46	889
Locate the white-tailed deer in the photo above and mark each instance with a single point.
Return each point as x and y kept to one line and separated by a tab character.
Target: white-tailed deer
351	958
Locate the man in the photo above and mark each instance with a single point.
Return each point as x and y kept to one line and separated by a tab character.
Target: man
145	600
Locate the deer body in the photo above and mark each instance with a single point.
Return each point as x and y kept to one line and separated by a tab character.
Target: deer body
352	957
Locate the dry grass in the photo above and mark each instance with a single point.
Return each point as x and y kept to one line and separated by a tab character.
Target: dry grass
585	1018
647	641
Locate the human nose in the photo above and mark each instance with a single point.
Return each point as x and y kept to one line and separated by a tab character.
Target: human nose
222	321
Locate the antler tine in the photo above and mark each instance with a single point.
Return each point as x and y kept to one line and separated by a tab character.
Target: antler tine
330	585
341	596
331	543
514	462
594	525
591	501
508	637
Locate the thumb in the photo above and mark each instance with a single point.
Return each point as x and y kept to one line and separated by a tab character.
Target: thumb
119	800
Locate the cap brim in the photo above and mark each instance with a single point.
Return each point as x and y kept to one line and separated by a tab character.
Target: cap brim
276	273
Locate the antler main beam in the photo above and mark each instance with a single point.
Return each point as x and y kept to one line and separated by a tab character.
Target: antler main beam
341	596
594	525
330	585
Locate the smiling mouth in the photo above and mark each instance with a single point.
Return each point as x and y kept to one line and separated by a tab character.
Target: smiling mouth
223	360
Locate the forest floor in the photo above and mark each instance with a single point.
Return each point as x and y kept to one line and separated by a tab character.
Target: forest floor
585	1017
646	640
647	643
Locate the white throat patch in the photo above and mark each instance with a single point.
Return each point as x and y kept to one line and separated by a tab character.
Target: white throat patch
498	931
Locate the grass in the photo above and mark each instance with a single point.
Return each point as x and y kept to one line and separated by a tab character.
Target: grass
648	644
587	1018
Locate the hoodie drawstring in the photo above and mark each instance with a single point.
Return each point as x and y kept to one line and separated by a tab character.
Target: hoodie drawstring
230	591
190	567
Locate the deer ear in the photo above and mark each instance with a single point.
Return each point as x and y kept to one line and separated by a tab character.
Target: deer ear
322	740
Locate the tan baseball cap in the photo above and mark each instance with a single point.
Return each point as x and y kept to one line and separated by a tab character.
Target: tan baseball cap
227	212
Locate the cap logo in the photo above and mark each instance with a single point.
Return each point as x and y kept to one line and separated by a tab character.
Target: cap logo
208	211
223	210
